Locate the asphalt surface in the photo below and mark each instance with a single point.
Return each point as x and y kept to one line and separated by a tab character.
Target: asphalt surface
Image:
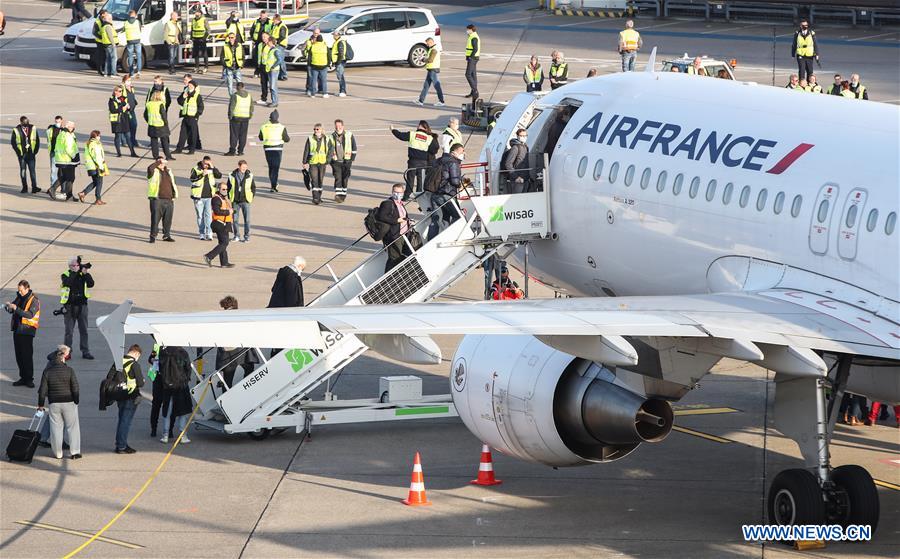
338	493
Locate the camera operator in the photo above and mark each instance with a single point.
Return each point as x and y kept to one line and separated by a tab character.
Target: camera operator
74	294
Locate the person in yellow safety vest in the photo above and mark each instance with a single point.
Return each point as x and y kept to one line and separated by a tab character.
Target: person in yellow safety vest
846	92
157	124
241	189
343	152
473	53
805	48
26	144
203	188
280	34
191	108
812	85
162	193
134	60
95	165
109	39
422	147
533	75
232	62
629	43
273	136
26	318
315	155
316	32
262	25
233	25
432	74
120	120
222	214
74	293
857	88
52	134
159	84
99	57
835	88
451	135
134	381
559	70
66	157
262	55
199	35
272	67
172	39
341	53
319	61
794	83
240	111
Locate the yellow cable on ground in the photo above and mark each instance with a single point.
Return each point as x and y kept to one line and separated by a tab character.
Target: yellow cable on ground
147	483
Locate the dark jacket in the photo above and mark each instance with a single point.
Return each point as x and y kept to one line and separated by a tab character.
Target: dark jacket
241	186
132	101
118	105
451	175
182	100
855	90
21	132
515	160
166	95
16	323
815	43
52	134
208	183
58	384
76	282
158	131
416	155
389	214
287	291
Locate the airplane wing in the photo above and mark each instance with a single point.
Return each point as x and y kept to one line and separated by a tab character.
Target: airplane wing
777	328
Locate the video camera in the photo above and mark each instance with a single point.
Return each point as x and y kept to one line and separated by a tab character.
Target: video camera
82	265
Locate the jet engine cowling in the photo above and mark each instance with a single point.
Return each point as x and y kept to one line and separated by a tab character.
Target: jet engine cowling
541	405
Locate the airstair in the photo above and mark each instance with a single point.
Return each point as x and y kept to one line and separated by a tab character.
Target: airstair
276	395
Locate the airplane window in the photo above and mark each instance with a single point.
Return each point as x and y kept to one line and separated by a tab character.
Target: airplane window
795	205
726	194
645	179
779	203
676	186
711	190
850	221
598	170
761	199
745	196
695	187
889	223
613	172
661	182
872	221
582	166
823	211
629	175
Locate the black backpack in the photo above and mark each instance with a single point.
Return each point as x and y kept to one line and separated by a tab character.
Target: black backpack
433	178
348	52
376	229
174	367
113	388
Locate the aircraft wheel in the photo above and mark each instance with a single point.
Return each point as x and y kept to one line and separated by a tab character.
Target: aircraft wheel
260	435
862	495
795	498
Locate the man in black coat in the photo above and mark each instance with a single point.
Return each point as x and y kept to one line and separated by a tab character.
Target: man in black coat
287	291
514	164
26	316
392	213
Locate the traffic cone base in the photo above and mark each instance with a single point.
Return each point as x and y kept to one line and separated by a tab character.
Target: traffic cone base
417	496
486	469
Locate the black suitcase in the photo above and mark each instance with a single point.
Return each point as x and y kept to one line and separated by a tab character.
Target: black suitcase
25	441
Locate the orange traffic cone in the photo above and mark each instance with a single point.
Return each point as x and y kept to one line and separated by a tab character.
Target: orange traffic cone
417	486
486	469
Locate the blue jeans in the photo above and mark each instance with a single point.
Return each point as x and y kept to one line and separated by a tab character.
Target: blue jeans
111	60
241	208
126	415
628	61
282	68
96	185
173	55
203	208
339	74
232	76
273	85
134	58
318	81
432	78
122	139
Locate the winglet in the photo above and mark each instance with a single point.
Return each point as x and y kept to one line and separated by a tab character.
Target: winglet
112	326
651	62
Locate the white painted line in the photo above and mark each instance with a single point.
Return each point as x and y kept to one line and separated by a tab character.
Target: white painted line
522	18
660	25
730	29
587	22
871	37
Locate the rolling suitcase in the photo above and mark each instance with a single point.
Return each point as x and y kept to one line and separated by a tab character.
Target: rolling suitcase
25	441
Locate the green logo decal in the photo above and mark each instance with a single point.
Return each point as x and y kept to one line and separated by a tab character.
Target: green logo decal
497	214
298	358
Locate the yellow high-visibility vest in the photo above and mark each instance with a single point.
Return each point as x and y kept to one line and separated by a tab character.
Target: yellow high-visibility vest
318	150
272	133
66	147
436	63
454	134
153	183
242	106
420	140
198	27
20	139
171	33
133	30
318	54
104	36
233	55
629	39
154	113
271	59
248	191
280	34
348	144
533	75
470	48
805	45
190	105
262	55
94	159
334	50
64	291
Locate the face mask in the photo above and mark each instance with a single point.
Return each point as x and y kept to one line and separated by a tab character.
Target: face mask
396	195
523	139
131	19
461	157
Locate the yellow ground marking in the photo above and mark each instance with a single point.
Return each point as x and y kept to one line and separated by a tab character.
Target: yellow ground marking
77	533
887	485
702	435
705	411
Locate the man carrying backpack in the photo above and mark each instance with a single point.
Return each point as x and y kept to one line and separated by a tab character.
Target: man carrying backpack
134	380
450	181
392	214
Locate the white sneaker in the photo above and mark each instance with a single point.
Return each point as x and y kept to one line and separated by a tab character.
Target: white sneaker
342	94
261	102
202	237
438	104
185	439
164	439
309	94
235	239
325	96
419	103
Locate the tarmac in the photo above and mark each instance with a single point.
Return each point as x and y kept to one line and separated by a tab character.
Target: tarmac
337	493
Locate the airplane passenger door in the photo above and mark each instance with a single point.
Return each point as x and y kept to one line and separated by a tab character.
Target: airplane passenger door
820	225
848	229
516	114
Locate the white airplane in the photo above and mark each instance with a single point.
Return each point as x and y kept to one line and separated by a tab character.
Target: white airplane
697	219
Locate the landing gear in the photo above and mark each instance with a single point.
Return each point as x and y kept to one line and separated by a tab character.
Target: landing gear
818	494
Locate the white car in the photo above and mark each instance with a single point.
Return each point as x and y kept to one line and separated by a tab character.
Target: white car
376	33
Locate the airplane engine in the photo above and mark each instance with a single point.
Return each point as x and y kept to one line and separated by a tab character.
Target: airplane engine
539	404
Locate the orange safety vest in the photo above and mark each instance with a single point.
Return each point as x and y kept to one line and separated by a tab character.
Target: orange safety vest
224	218
34	322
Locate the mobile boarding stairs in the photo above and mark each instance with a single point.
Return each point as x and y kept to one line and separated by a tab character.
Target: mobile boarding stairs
276	395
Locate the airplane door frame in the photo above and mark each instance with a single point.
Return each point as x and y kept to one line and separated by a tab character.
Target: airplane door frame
819	228
848	237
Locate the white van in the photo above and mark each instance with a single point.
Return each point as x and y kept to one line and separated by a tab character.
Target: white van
376	33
